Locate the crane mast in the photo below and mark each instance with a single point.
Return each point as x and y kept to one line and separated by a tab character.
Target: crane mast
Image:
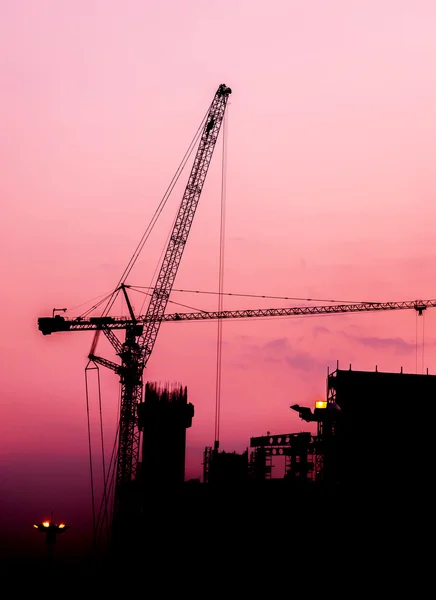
141	337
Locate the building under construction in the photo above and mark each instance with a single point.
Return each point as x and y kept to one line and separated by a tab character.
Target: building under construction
371	436
371	431
164	417
375	430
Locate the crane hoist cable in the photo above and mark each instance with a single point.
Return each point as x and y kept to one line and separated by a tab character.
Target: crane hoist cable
423	342
91	470
103	460
104	500
221	287
105	508
109	483
419	340
101	520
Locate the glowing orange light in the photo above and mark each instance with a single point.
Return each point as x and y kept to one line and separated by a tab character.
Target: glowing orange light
62	525
46	524
36	526
321	404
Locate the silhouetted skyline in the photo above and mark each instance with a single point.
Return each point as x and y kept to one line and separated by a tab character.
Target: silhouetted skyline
331	130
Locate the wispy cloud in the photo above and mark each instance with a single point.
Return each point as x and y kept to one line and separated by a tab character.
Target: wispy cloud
279	351
319	330
292	354
392	344
396	344
277	345
303	361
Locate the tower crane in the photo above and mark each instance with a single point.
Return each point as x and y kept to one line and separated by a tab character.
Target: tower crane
142	330
141	335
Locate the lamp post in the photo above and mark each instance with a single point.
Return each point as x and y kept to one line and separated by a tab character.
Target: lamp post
51	531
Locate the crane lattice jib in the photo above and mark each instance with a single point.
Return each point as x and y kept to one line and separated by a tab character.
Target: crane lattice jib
183	222
48	325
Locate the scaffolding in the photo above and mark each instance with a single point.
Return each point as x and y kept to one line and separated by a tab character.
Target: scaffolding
298	449
207	459
260	464
224	467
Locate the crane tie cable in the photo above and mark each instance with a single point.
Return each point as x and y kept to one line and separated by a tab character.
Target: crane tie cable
156	215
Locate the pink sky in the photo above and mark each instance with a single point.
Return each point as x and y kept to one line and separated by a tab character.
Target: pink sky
330	194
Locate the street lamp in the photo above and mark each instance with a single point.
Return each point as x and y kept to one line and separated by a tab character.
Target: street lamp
51	531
